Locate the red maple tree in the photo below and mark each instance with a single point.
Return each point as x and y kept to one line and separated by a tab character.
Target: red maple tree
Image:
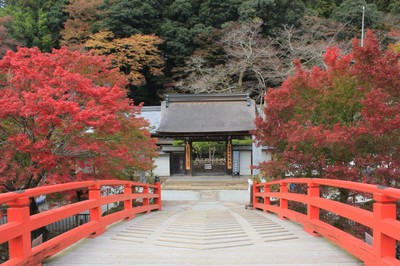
340	122
62	111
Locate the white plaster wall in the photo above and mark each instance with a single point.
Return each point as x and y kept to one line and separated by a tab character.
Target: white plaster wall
266	156
245	162
162	165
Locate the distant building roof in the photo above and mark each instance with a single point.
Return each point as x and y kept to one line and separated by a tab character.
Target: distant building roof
211	114
153	115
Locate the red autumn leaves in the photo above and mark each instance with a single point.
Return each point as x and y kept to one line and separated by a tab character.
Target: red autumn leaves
339	122
59	110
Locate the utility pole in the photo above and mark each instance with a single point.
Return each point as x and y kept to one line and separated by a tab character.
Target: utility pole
362	27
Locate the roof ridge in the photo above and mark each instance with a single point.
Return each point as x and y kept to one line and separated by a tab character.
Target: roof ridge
208	97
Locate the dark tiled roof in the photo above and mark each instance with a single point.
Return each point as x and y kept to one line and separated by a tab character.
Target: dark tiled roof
211	113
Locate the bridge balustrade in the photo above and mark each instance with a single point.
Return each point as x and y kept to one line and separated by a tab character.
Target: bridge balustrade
275	197
20	224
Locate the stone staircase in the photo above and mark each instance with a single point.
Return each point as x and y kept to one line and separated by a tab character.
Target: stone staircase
205	183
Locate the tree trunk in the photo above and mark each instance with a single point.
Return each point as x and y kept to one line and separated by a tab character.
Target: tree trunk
261	84
79	194
240	80
342	223
34	209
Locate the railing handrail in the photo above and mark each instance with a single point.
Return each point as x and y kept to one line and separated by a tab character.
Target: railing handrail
361	187
17	231
382	220
42	190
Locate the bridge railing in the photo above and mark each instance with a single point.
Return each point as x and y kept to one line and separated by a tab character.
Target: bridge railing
20	224
381	220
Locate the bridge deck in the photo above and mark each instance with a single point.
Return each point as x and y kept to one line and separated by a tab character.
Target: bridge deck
204	233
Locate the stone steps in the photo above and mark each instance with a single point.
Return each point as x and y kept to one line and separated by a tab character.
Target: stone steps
237	184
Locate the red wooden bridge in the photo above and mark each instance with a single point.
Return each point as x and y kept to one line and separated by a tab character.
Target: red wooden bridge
209	232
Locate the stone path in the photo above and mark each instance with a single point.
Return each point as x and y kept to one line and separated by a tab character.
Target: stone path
204	232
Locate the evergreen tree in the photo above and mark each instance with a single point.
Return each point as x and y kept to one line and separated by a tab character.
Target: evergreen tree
350	12
274	13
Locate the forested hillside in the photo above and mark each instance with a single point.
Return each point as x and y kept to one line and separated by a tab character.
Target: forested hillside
197	46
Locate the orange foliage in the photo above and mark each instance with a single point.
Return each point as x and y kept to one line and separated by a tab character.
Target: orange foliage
77	28
131	55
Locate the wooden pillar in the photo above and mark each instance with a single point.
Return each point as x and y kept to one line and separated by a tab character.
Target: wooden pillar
255	190
267	199
312	211
188	157
95	212
128	202
282	201
229	157
383	208
145	195
158	192
20	247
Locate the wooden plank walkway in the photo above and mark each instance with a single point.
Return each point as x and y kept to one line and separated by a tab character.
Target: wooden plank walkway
204	233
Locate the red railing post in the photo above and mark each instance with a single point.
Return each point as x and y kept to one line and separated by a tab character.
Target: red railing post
255	190
312	211
146	201
283	203
95	213
157	191
383	208
128	202
20	247
267	199
134	201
